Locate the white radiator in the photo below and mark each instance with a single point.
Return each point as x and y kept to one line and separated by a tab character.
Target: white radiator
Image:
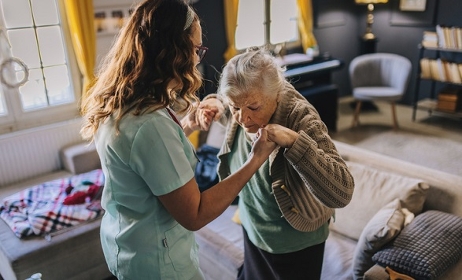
34	152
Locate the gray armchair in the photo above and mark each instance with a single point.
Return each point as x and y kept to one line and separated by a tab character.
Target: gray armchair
379	77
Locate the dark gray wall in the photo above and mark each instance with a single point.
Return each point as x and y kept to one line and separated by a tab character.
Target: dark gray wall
336	28
339	24
211	13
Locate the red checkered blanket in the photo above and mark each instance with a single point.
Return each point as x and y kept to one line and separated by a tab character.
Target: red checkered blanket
41	209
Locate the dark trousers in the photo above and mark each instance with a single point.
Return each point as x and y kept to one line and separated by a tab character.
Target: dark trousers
305	264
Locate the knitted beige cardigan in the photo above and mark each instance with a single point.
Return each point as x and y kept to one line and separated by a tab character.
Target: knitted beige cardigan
310	179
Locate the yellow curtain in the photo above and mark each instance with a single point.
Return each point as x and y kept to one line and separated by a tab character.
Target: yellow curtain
80	16
305	23
230	7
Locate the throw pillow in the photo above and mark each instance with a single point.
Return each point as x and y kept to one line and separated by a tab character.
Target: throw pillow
374	189
376	272
236	217
382	228
426	248
397	276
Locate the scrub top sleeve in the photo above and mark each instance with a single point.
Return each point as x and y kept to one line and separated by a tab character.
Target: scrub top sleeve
163	156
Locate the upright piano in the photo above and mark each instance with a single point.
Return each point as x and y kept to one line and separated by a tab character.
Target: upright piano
313	79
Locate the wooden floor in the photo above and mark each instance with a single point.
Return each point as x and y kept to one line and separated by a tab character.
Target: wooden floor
372	121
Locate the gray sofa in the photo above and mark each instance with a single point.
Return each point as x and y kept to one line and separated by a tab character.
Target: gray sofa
73	253
380	181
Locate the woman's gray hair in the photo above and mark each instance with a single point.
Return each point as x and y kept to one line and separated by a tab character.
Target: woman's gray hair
255	69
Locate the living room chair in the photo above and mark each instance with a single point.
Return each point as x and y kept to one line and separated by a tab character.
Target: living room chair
379	77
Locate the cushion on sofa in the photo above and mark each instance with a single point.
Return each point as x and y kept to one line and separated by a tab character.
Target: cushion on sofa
382	228
426	248
80	158
376	272
373	190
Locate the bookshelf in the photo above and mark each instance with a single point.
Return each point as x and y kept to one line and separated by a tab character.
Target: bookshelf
435	67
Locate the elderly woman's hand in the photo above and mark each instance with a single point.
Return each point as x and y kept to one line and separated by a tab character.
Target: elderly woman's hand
208	110
204	117
281	135
213	104
198	119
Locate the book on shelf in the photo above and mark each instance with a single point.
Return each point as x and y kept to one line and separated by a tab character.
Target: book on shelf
459	66
454	75
459	38
447	106
447	37
454	34
441	70
446	70
449	99
425	68
434	70
430	39
440	36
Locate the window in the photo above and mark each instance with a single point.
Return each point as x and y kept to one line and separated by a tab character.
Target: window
262	22
31	30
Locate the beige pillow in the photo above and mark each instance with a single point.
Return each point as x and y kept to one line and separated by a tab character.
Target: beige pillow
236	217
381	229
373	190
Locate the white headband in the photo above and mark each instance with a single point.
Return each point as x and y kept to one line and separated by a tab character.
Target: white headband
189	18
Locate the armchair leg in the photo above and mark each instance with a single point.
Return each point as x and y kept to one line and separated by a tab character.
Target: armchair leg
393	111
356	115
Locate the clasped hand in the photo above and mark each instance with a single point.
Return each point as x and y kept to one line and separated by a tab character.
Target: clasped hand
204	114
212	109
261	144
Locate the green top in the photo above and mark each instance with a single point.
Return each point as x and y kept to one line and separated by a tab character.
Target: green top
259	211
151	156
310	179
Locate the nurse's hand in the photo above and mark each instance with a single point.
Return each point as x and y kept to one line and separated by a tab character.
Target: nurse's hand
262	146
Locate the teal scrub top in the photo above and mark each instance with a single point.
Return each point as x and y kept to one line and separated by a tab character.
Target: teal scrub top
149	157
259	212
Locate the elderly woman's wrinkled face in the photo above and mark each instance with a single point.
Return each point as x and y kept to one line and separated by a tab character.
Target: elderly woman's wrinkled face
253	109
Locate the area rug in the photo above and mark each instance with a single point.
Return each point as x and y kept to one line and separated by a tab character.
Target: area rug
430	151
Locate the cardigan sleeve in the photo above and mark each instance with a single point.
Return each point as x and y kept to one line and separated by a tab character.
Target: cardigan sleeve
316	160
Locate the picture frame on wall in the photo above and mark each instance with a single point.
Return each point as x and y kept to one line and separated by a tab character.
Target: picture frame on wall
412	5
418	13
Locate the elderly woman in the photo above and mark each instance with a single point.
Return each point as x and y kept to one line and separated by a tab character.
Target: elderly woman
287	205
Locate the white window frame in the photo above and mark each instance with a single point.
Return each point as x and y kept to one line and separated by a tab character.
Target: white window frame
18	119
267	31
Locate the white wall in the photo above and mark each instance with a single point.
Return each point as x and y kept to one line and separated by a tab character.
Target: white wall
34	152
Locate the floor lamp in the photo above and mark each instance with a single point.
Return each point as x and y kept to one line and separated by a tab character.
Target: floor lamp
368	35
368	42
